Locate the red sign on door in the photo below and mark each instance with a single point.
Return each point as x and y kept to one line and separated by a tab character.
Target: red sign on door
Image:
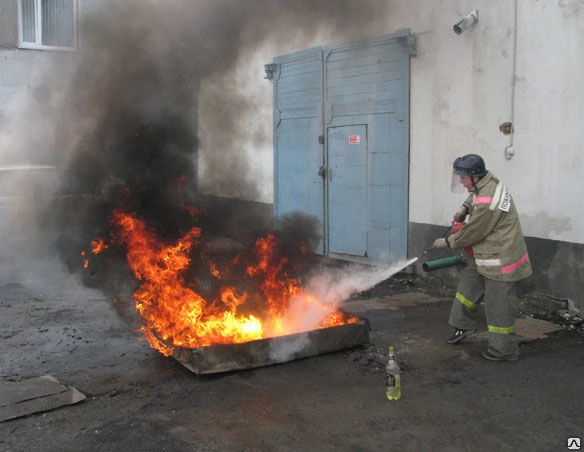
354	139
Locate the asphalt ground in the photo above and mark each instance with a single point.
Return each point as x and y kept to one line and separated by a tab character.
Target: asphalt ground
452	398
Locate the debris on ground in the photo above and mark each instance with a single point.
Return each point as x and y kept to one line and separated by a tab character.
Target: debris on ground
34	395
561	311
564	312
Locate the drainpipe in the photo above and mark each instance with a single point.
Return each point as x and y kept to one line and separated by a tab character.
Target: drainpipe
508	128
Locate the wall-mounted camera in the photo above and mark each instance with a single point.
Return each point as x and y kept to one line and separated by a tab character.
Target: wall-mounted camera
469	20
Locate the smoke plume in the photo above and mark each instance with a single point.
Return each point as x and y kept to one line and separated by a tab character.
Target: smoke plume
144	64
152	114
128	122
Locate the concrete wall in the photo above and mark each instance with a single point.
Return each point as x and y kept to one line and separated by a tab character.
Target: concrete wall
520	63
18	73
28	101
8	24
22	87
462	90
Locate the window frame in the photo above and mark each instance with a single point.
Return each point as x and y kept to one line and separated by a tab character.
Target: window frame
38	45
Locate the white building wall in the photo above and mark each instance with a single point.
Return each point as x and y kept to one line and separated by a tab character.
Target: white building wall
550	118
462	90
17	72
29	94
22	110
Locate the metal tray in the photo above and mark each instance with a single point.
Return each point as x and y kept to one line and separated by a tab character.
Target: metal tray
275	350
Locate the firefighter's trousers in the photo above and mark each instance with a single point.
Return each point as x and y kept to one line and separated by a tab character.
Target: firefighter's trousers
500	301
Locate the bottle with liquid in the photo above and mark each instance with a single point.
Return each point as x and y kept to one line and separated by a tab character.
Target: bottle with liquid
392	377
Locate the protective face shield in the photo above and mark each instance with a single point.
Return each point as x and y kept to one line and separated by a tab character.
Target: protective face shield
456	185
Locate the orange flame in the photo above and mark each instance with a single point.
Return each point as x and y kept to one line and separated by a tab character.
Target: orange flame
175	315
85	261
98	246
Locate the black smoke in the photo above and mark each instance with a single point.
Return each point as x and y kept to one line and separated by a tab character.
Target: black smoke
128	132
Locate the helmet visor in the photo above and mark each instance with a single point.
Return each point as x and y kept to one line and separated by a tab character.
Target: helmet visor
457	186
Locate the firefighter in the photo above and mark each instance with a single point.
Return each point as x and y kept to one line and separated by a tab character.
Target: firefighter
500	258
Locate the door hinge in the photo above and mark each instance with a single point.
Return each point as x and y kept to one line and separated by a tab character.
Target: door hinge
323	171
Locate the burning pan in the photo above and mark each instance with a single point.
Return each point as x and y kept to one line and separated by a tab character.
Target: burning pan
275	350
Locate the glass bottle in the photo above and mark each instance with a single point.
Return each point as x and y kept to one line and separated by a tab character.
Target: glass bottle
392	377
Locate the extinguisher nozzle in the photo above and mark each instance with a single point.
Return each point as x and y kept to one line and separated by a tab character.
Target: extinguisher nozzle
442	263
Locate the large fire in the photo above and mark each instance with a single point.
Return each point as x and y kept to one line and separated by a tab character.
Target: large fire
175	313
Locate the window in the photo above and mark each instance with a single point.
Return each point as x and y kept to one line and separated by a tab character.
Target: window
47	24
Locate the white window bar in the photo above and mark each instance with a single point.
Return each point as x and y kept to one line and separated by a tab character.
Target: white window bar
47	24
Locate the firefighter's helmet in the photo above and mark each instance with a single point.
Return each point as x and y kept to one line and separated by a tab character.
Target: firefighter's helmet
470	165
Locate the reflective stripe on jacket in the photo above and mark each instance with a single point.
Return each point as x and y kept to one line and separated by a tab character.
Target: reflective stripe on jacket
494	232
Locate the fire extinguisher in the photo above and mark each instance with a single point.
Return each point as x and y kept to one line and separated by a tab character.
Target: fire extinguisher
457	227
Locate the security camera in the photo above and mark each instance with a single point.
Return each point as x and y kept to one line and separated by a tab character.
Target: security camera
469	20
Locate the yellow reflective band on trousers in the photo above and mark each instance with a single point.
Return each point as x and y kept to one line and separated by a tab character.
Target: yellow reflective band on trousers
465	301
501	330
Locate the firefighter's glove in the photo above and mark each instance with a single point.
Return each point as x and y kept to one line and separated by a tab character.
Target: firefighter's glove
460	216
440	243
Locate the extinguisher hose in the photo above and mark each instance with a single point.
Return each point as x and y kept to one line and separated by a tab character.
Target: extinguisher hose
443	263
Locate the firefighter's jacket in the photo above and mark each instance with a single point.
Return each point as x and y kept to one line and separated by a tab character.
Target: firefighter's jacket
494	232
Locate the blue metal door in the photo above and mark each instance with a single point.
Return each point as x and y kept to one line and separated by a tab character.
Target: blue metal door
342	112
347	190
298	151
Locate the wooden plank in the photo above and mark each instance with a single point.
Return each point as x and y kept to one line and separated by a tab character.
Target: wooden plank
35	395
